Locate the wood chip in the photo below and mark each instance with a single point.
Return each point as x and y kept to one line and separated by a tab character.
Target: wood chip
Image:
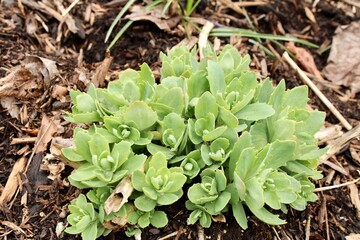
12	183
354	197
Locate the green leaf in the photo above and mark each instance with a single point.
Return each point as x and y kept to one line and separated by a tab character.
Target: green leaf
144	203
154	148
159	219
174	98
297	97
244	141
239	214
215	77
144	220
133	163
71	155
255	112
84	172
214	134
158	161
206	104
198	195
81	140
228	118
222	201
264	215
141	115
138	180
168	198
240	186
197	84
98	145
259	134
72	230
255	192
245	163
90	232
121	152
280	152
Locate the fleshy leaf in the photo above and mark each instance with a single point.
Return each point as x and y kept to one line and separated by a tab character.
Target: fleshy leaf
255	112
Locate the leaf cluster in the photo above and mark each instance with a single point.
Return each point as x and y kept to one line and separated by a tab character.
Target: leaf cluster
210	127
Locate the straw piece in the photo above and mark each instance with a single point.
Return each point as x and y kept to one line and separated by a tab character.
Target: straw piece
336	186
204	34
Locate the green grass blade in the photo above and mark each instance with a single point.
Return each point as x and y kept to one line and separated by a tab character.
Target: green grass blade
117	19
227	32
262	47
120	33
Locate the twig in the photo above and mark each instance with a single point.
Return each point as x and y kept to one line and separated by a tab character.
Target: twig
307	230
204	34
276	234
322	97
250	4
233	6
23	140
336	186
201	234
69	8
338	168
169	235
339	143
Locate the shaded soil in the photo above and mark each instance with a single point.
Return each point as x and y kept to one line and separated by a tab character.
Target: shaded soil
47	200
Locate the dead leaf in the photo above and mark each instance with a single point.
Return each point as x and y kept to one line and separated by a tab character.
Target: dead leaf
28	79
9	103
155	16
353	236
343	66
46	132
354	197
305	58
98	78
12	183
120	196
60	93
55	168
310	15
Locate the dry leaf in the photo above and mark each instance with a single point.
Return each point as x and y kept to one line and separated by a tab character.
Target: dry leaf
9	103
120	196
344	62
47	130
26	80
305	58
98	78
60	93
155	16
353	236
310	15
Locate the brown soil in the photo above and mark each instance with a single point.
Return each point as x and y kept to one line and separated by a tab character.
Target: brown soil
333	216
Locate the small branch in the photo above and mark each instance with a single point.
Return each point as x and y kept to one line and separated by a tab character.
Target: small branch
336	186
322	97
201	234
173	234
23	140
340	142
